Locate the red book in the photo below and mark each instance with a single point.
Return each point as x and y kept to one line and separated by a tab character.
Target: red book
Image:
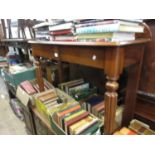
26	85
65	112
61	32
74	120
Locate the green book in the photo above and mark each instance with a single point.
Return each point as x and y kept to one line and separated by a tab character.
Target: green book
91	129
71	116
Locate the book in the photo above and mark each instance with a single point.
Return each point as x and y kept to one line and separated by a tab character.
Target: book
47	96
103	22
70	116
64	26
62	32
116	27
96	106
27	86
64	38
59	115
72	91
71	85
111	36
74	120
92	101
82	125
126	131
141	128
91	130
62	85
99	109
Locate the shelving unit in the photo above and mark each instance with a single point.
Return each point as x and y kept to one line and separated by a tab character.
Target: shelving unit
111	57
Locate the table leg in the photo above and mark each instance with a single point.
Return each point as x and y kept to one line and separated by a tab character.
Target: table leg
114	62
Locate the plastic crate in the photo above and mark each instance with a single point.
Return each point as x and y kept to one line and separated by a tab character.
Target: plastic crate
16	79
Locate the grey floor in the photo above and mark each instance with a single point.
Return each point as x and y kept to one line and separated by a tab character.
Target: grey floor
10	124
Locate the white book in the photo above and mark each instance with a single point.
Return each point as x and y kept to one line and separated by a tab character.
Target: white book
61	27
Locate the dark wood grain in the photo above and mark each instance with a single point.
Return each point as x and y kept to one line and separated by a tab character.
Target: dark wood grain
148	69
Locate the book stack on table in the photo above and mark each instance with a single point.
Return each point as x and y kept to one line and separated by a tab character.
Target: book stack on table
108	30
42	31
63	31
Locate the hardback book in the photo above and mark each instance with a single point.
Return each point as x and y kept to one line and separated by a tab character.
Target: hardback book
50	104
99	109
71	116
116	27
62	32
51	100
82	125
111	36
64	26
64	38
92	101
27	86
126	131
96	106
78	88
73	84
48	96
91	130
74	120
62	85
103	22
141	128
59	115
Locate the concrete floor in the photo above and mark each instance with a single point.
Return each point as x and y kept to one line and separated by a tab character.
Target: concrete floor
10	124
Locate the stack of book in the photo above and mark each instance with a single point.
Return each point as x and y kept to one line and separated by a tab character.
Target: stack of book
78	89
95	105
136	127
141	128
125	131
32	89
46	101
76	121
42	31
108	30
62	31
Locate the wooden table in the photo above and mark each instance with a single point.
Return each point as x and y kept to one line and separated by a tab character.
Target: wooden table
112	58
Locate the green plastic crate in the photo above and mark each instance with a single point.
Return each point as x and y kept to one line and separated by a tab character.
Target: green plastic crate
16	79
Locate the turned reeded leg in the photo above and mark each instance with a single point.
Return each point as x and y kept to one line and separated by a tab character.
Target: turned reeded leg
114	62
110	106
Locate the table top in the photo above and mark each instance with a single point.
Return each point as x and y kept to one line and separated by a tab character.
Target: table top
63	43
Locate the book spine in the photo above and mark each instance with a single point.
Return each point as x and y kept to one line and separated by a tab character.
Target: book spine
98	29
96	23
